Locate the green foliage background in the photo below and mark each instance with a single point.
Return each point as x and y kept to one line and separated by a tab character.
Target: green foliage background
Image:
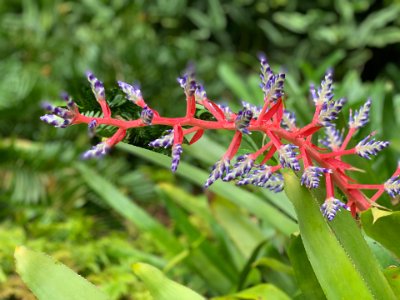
45	48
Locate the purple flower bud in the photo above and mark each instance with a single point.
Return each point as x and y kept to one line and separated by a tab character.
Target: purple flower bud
200	93
176	156
164	141
361	117
259	176
369	146
188	82
220	168
289	120
243	119
287	157
132	92
227	111
256	110
333	139
70	103
325	92
147	115
59	111
392	186
97	151
311	176
330	111
330	208
92	128
55	121
275	183
242	167
97	86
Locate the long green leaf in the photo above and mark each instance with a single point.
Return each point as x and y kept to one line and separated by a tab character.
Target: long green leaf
128	209
240	197
161	287
383	228
325	250
308	283
48	279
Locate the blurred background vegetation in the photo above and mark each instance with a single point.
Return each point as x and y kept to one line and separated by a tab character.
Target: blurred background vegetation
47	45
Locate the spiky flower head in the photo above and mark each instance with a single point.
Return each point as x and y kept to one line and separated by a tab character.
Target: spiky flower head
333	139
392	186
132	92
287	157
92	128
218	170
256	110
370	147
243	120
165	141
275	183
325	92
176	156
96	85
259	176
188	81
330	111
97	151
147	115
311	176
200	93
55	121
331	206
289	120
242	167
271	84
361	117
228	113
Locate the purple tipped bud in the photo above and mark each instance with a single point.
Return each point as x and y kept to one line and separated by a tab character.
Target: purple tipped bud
333	139
220	168
164	141
311	176
275	183
176	156
256	110
59	111
330	112
132	92
227	111
370	147
287	157
188	82
242	167
392	186
70	103
147	115
331	206
97	86
243	119
325	92
92	128
361	117
289	120
259	176
55	121
97	151
200	93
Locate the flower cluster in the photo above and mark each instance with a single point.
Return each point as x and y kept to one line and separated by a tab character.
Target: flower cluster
286	143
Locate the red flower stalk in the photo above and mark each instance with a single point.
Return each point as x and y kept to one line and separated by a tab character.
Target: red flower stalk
290	143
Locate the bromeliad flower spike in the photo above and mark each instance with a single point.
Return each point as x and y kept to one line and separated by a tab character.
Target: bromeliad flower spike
290	143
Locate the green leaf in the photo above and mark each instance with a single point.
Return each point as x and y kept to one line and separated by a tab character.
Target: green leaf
339	243
49	279
258	292
383	228
308	282
162	288
392	274
244	233
240	197
233	81
128	209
